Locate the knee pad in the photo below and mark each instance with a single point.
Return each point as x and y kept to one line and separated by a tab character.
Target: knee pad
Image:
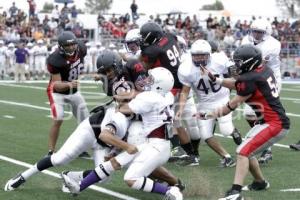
143	183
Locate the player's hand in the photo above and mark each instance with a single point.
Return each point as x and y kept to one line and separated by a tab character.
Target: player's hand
74	84
131	149
97	77
205	71
203	115
178	115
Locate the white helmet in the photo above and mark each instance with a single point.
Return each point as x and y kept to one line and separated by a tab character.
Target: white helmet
132	40
29	44
98	44
11	45
88	44
40	41
203	49
135	133
161	80
1	42
182	43
259	30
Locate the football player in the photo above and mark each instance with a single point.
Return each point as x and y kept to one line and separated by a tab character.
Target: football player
255	85
40	53
154	107
161	49
132	45
3	49
65	65
208	94
260	36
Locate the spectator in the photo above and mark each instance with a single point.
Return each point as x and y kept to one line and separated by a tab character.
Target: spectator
134	13
158	20
74	12
38	33
21	59
13	10
55	14
32	7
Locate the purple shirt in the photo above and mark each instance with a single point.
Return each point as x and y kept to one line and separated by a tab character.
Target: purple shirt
21	54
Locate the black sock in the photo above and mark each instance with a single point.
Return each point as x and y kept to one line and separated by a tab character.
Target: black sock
236	187
188	148
86	172
45	163
195	144
175	141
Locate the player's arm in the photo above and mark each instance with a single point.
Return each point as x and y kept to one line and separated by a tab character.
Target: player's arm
182	99
108	137
224	110
125	109
61	86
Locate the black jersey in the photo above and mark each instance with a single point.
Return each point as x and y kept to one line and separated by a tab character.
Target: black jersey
164	53
69	68
265	101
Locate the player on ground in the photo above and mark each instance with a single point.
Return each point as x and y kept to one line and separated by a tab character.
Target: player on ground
154	106
260	36
255	85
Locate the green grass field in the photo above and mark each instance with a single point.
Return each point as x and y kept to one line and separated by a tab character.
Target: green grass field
24	126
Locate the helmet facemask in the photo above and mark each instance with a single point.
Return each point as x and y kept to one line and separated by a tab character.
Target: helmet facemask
200	59
69	49
258	35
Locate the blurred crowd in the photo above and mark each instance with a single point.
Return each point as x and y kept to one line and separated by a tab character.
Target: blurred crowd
36	30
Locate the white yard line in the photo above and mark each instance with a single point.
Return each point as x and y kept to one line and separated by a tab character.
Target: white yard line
56	175
291	190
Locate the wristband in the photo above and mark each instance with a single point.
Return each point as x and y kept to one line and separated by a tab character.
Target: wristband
228	106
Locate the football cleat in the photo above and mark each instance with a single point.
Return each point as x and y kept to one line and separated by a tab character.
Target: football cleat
257	186
14	183
173	194
71	184
227	162
177	153
295	146
64	188
236	136
232	195
265	157
180	185
190	160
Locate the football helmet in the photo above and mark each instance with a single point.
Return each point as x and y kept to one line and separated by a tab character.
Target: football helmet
160	80
1	42
200	51
109	63
29	45
259	30
40	41
67	43
11	45
150	33
247	58
132	40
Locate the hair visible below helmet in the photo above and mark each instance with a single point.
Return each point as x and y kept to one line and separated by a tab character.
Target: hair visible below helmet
259	30
109	60
200	48
66	40
161	80
247	58
132	37
150	33
214	46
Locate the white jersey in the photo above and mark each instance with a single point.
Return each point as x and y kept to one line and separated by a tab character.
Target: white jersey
31	57
222	59
10	56
270	49
40	52
3	49
154	109
205	90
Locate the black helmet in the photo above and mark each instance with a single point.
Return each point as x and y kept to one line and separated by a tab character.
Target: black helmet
247	58
66	42
150	33
214	46
109	60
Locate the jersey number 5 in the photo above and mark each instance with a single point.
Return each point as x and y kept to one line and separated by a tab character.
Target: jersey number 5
173	56
273	87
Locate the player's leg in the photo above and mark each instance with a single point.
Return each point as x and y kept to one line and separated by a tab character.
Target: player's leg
81	139
206	131
57	110
227	128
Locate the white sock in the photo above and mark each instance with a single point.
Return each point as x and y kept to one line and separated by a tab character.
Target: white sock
29	172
